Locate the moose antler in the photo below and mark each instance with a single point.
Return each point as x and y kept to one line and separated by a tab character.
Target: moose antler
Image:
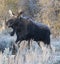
20	12
11	13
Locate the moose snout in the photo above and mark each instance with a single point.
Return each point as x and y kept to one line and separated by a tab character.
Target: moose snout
7	24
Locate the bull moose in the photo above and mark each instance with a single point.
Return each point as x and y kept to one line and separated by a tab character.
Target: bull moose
27	29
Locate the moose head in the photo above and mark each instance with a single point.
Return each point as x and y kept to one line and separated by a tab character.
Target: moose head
14	18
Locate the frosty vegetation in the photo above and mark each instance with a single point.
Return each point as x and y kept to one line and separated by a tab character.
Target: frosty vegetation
24	56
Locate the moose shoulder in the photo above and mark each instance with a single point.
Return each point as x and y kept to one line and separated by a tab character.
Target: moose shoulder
27	29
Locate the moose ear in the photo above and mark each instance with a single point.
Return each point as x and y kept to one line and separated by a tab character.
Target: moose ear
11	13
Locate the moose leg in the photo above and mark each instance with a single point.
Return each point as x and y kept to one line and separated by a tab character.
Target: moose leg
14	51
15	47
28	44
47	42
18	39
38	43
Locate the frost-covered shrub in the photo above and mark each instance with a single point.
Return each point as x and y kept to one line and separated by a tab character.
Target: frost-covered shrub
6	41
